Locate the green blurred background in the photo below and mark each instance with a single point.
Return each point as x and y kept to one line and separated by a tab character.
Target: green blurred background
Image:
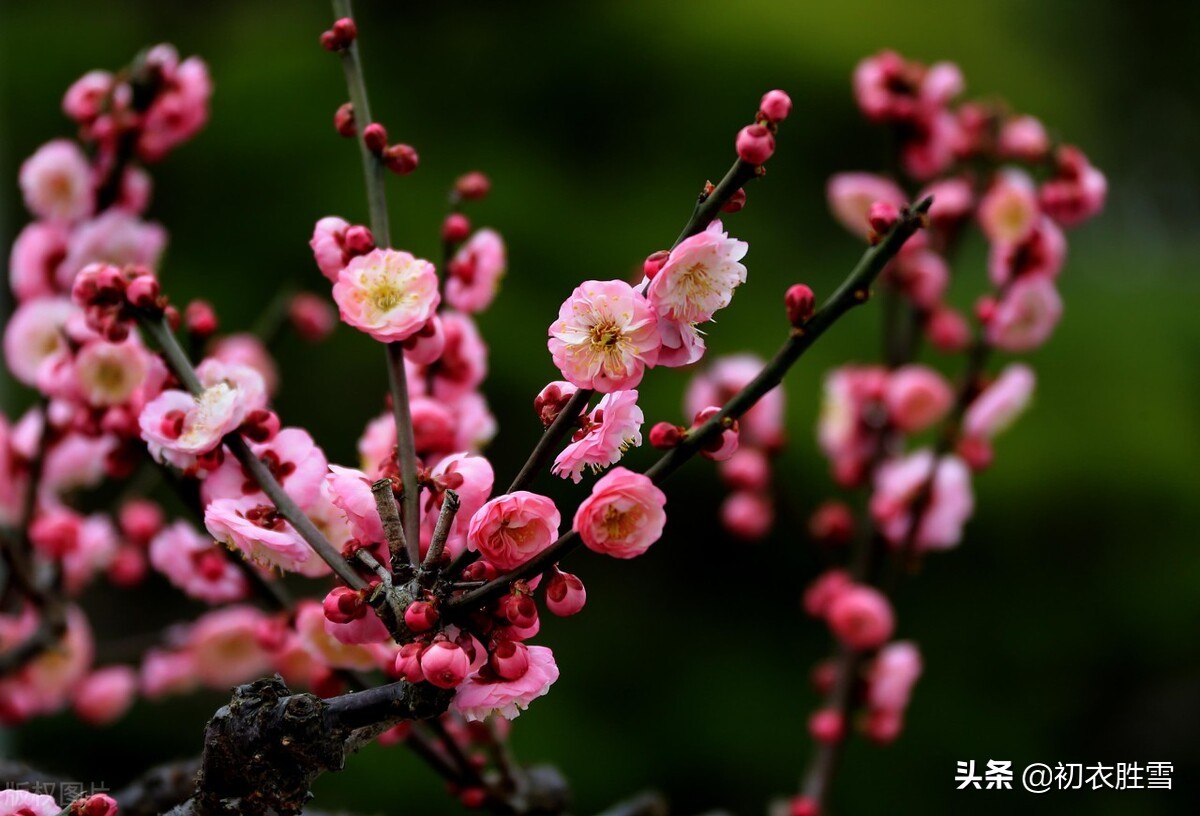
1064	628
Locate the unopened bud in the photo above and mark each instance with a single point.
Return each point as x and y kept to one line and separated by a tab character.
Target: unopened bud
456	228
882	216
755	144
654	262
665	436
420	616
358	240
375	138
343	605
553	398
142	292
775	105
200	319
408	662
401	159
445	664
565	593
519	610
832	523
736	201
343	120
473	186
345	30
510	659
799	301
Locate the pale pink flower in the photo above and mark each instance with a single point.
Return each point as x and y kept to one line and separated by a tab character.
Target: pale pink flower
110	373
861	617
293	459
898	483
475	272
762	425
1026	316
258	531
57	182
75	461
511	529
952	201
682	343
850	196
699	276
1000	403
244	377
605	336
476	423
225	649
25	803
314	636
34	334
36	254
105	695
366	629
94	551
851	414
1023	137
176	421
116	237
350	491
608	431
165	672
623	516
1009	209
83	101
484	693
917	397
892	676
1041	254
388	294
328	246
196	565
245	349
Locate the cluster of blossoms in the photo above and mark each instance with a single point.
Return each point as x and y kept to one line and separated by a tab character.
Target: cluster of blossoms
982	165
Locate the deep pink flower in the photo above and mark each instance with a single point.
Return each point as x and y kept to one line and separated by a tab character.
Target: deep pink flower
475	272
851	393
196	565
388	294
605	336
484	693
350	491
623	516
1040	254
861	617
255	528
292	457
105	695
1023	137
511	529
699	276
747	515
57	182
36	254
180	108
608	431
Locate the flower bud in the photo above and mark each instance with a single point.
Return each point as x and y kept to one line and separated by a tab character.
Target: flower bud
882	726
401	159
775	105
375	138
755	144
420	616
200	319
565	593
345	30
832	523
445	664
343	605
343	120
803	806
510	659
358	240
408	662
861	617
456	228
654	262
549	403
948	330
747	515
329	41
473	186
519	610
139	521
800	302
748	469
427	345
976	452
826	725
881	217
127	568
99	804
142	292
473	797
261	425
311	316
479	571
665	436
736	201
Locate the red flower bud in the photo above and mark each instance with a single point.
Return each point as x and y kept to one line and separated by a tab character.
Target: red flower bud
755	144
473	186
456	228
343	120
654	262
200	319
375	138
775	105
665	436
420	616
358	240
736	201
799	301
401	159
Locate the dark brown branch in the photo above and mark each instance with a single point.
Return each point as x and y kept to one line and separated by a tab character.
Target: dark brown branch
389	514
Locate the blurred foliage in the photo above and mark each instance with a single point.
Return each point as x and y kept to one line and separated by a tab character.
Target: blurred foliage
1064	629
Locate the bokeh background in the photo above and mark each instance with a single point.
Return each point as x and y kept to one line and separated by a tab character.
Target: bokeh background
1065	628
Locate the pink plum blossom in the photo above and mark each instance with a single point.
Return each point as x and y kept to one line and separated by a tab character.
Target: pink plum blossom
1023	137
623	516
84	99
36	253
472	478
164	672
328	246
475	272
1000	403
511	529
57	182
1009	209
608	431
196	565
699	276
350	491
76	461
747	515
917	397
34	334
484	693
106	694
1026	316
1040	254
861	617
178	422
463	362
762	425
257	530
605	336
850	196
899	482
115	237
388	294
314	636
224	648
180	109
293	459
851	413
892	676
15	802
247	350
1077	192
110	373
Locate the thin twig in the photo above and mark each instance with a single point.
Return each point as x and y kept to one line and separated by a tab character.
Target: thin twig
389	514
